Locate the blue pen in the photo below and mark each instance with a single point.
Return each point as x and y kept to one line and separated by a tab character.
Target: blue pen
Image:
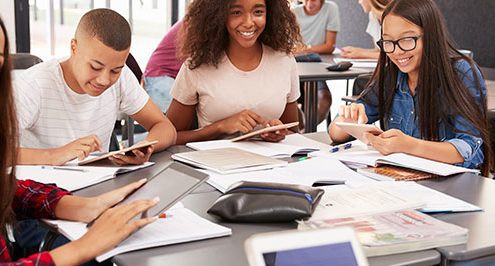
341	147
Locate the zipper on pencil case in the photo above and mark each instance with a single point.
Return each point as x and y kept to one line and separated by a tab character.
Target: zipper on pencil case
306	195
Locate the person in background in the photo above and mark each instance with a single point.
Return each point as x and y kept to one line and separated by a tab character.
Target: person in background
29	199
374	8
162	69
240	73
319	23
429	98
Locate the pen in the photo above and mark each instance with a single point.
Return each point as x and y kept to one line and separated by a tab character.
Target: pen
304	158
338	47
341	147
62	168
164	215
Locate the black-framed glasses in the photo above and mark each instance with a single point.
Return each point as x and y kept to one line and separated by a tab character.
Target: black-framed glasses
405	44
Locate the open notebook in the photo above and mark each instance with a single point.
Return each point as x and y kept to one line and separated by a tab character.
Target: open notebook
363	154
292	144
181	225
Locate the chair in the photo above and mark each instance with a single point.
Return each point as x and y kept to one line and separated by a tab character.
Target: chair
359	85
24	60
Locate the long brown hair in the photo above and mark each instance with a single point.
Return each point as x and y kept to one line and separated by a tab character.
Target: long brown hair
441	93
8	139
203	36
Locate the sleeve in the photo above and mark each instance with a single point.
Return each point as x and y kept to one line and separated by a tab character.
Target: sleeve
132	96
294	93
185	89
36	200
27	97
467	139
370	104
333	19
38	259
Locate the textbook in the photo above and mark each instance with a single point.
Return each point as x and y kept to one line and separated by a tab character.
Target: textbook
396	232
363	154
394	173
228	160
180	225
292	144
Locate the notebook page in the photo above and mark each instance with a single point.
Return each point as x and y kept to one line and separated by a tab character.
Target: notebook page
302	173
181	225
64	178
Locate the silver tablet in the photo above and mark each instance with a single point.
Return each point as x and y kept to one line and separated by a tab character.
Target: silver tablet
330	246
171	184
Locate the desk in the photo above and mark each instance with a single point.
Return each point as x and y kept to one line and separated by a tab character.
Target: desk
224	250
310	73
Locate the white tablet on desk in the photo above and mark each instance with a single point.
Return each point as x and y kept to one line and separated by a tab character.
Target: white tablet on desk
329	246
358	130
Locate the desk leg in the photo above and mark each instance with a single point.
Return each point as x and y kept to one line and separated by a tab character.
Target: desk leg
310	105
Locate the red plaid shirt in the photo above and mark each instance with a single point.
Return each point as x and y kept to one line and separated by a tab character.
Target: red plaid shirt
33	200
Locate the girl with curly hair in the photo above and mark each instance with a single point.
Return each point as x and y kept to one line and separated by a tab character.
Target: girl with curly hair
240	72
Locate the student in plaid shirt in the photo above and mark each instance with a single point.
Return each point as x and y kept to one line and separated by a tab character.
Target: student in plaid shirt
28	199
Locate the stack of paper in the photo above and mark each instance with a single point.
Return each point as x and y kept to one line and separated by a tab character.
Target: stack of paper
292	144
181	225
304	172
70	178
342	201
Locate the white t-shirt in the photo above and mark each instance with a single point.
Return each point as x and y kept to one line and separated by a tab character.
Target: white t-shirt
51	114
314	28
374	28
224	91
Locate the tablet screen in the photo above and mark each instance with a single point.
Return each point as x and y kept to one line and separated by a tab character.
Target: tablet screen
337	254
171	185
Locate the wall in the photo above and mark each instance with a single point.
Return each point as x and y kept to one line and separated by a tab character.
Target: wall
473	32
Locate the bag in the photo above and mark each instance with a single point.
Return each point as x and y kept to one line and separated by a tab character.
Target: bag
266	202
310	57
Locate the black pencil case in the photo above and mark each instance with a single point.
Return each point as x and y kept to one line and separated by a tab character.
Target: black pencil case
266	202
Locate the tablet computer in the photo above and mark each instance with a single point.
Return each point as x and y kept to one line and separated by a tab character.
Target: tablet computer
171	184
264	130
329	246
141	145
358	130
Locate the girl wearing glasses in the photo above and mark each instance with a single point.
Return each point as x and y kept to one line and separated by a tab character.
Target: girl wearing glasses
429	98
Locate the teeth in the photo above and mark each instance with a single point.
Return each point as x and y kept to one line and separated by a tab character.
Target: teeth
403	60
246	33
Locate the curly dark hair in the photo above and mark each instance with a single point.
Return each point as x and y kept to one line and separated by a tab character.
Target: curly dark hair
203	36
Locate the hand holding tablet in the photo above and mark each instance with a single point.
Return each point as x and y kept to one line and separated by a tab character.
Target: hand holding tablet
265	130
358	130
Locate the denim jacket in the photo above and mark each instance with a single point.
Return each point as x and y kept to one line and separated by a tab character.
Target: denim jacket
403	116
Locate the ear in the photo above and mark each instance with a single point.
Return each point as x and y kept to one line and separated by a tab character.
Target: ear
73	47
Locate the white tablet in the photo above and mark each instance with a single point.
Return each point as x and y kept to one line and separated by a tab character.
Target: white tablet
329	246
358	130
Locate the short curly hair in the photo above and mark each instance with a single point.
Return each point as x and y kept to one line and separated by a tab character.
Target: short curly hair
204	36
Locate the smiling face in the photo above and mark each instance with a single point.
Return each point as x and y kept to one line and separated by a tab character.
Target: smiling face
395	27
95	66
246	22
